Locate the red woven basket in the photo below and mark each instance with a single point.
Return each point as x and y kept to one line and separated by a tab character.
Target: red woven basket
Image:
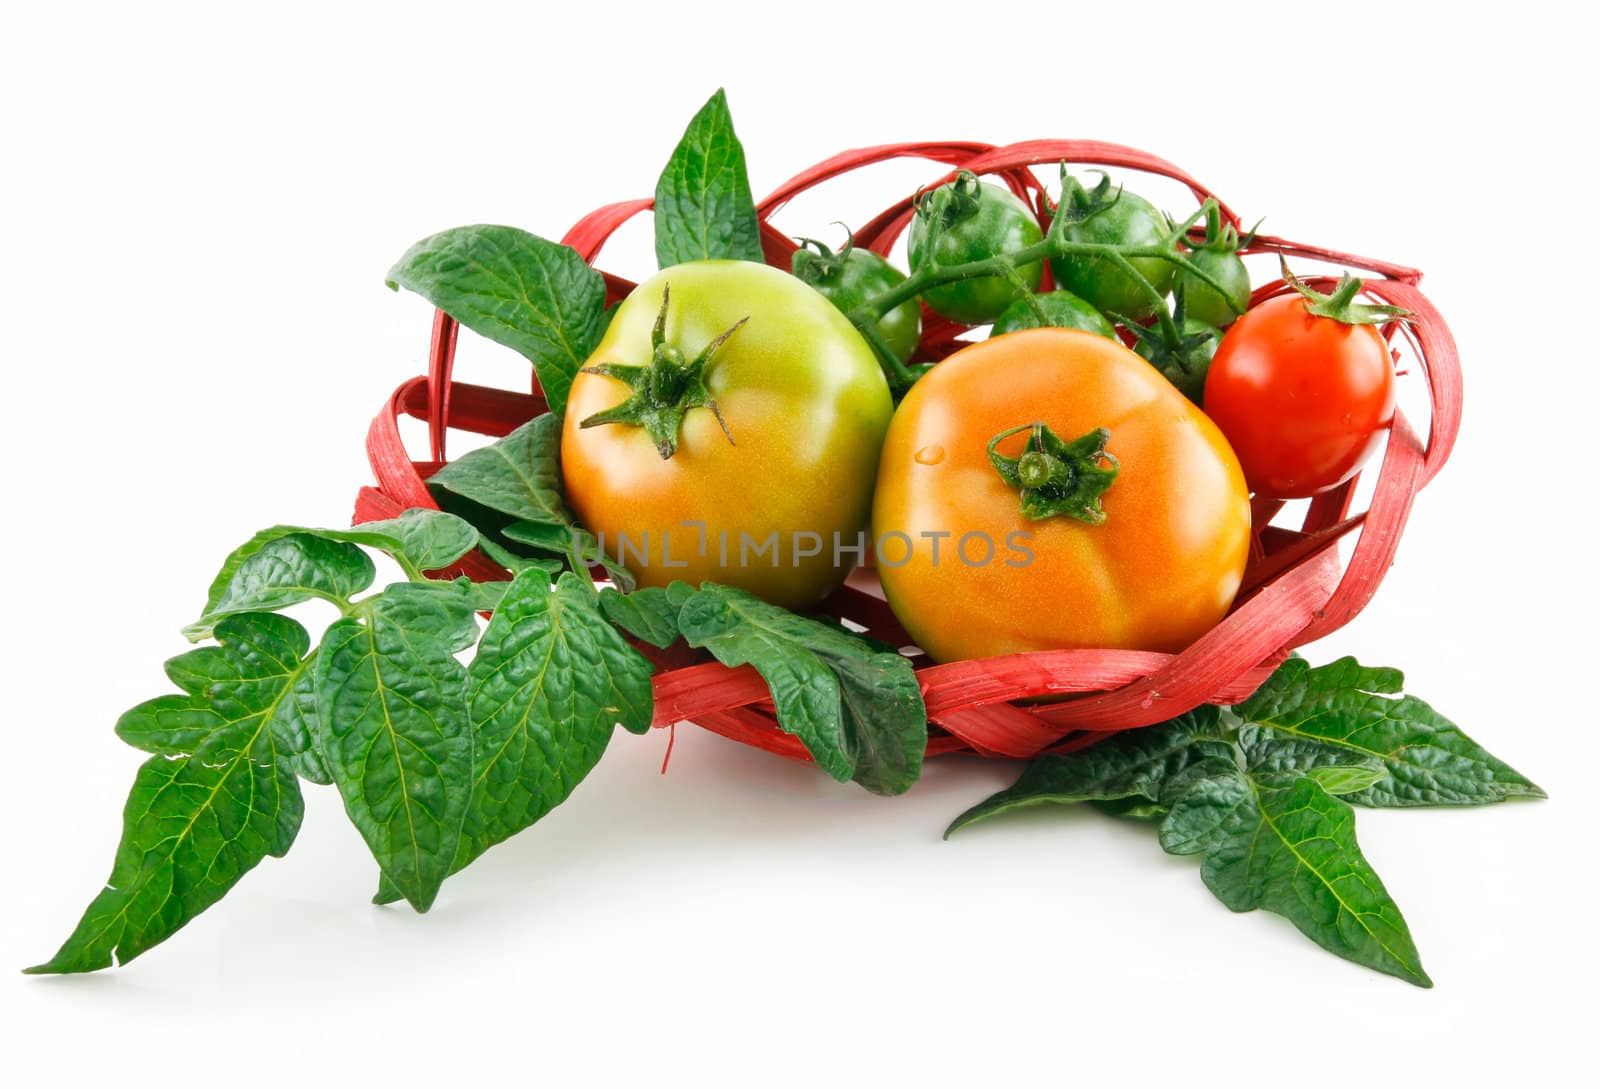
1295	588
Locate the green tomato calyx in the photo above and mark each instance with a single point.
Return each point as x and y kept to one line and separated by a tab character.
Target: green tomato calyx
952	202
1341	305
1054	477
1078	204
1180	347
665	389
1221	236
815	263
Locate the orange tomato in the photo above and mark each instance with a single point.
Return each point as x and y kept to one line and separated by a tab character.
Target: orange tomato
1160	569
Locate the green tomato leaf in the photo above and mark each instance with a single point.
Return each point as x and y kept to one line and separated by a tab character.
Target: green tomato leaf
460	598
1281	759
704	208
1202	806
424	539
650	614
215	801
393	727
550	680
577	544
1341	779
536	297
549	537
519	475
519	478
230	692
1133	809
1292	850
419	539
1133	765
1344	713
191	830
859	712
294	727
285	570
1261	792
517	564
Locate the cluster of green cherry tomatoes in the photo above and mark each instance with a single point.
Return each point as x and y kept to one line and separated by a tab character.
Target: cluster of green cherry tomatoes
1044	487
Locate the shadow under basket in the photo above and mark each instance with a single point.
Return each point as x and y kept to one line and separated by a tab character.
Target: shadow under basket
1295	589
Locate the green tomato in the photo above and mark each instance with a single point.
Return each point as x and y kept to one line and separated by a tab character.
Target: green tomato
1123	219
729	429
1204	301
1053	310
851	277
968	220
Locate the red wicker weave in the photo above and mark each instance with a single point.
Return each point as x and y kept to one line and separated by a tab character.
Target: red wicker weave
1295	588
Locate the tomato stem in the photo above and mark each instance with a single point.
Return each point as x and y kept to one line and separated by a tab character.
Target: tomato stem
666	388
1054	477
1180	349
866	316
1076	205
1341	305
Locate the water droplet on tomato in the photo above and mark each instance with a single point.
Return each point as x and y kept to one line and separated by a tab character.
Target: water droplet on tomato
929	455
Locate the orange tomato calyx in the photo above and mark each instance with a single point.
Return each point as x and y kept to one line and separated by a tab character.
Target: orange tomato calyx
1341	305
1058	478
665	389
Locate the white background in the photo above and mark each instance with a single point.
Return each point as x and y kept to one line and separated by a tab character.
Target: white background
199	208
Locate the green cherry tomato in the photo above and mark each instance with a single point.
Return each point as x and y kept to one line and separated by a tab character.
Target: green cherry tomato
1119	218
968	220
1053	310
1185	361
851	277
727	427
1205	302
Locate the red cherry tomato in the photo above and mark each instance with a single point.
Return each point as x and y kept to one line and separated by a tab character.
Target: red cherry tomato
1303	399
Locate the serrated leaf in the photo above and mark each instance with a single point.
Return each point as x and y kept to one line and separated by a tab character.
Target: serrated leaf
230	692
703	207
214	802
550	681
462	599
519	475
650	614
421	539
1347	713
577	544
1292	851
859	712
449	608
536	297
393	729
1134	764
428	540
282	571
190	832
517	564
